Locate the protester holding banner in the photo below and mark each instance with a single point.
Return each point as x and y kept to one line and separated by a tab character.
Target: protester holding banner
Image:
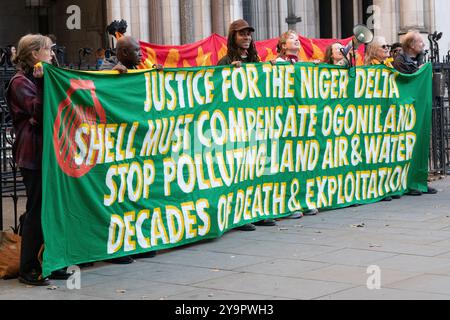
334	55
410	61
396	49
241	49
288	47
188	160
128	57
377	52
240	45
24	96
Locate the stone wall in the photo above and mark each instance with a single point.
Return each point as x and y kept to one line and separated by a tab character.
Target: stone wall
15	21
92	33
175	22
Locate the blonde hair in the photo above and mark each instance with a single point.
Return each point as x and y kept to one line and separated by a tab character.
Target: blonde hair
282	40
372	48
409	40
27	44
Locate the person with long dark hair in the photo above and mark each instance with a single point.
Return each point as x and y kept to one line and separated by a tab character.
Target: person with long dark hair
240	45
241	49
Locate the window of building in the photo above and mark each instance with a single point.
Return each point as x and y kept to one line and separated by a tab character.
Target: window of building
247	11
341	23
366	5
347	19
326	20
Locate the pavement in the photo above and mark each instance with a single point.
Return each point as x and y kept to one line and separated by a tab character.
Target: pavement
403	245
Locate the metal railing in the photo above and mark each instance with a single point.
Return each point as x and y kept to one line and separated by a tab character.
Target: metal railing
440	127
11	185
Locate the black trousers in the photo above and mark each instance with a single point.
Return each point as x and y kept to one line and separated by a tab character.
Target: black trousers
32	237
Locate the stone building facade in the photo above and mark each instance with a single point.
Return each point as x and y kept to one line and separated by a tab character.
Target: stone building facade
177	22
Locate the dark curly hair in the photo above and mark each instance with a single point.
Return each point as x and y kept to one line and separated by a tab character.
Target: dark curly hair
233	49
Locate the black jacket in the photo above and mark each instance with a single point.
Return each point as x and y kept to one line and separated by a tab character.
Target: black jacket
406	64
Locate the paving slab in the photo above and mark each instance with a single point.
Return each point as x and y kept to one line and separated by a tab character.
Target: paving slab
176	274
283	287
215	260
442	243
46	295
419	264
318	257
273	249
362	293
418	233
213	294
355	275
352	257
133	289
399	247
283	267
425	283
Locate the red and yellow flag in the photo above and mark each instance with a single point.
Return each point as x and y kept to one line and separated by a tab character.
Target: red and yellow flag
206	52
209	51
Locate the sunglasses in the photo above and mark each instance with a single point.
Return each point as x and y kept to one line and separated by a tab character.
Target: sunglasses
385	46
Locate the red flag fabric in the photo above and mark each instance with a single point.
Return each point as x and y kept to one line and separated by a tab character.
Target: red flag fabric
209	51
206	52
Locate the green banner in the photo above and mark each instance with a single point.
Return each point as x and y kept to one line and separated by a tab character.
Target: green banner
158	159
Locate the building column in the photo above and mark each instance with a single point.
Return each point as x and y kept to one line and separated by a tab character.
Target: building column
412	15
112	10
259	18
125	12
429	15
217	17
282	15
233	11
316	26
357	12
186	21
273	20
202	19
135	19
143	20
309	11
335	17
385	20
155	21
171	19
